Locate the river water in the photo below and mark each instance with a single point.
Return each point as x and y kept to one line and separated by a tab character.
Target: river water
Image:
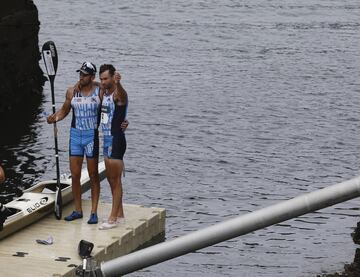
234	106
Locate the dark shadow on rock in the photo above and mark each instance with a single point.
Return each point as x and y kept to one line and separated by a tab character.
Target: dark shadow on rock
21	78
21	85
353	269
18	138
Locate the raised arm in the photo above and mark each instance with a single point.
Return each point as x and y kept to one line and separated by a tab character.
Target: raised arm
120	96
64	110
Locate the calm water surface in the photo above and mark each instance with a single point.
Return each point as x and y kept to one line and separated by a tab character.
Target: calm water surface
234	106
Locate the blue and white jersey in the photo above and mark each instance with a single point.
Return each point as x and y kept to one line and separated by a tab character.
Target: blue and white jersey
112	116
107	113
86	110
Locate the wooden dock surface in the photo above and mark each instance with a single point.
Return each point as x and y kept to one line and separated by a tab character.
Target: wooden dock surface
21	255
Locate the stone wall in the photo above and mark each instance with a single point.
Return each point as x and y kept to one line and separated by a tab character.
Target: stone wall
21	78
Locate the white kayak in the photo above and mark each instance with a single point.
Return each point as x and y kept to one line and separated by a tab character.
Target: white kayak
39	200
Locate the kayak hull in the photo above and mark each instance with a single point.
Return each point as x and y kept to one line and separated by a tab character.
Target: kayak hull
39	200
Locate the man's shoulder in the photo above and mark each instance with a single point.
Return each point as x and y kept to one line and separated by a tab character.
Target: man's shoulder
70	92
70	89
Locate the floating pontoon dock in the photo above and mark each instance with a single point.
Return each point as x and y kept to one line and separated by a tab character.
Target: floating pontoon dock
21	255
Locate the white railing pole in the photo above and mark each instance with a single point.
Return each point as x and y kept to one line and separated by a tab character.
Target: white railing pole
233	228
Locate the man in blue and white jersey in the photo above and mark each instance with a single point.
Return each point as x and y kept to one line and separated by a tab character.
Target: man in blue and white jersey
84	137
113	113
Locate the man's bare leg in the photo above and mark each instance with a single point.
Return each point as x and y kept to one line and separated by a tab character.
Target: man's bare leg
92	165
75	169
113	173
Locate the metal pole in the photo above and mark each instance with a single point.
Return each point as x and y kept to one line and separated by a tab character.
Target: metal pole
233	228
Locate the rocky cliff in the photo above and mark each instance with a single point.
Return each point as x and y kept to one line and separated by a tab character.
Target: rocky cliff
21	78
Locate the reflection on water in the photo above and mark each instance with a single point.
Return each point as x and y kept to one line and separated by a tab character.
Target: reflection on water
19	155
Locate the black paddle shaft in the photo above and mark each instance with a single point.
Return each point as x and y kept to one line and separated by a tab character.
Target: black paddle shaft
50	58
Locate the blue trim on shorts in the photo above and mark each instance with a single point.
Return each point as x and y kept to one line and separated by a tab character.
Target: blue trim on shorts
114	147
84	142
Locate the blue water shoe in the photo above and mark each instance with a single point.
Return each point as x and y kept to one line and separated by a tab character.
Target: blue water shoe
74	215
93	219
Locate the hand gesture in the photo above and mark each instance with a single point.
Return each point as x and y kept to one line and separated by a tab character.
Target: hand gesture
117	77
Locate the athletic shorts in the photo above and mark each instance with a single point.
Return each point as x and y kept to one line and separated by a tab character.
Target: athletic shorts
114	147
84	142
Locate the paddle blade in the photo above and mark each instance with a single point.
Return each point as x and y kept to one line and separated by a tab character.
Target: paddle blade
58	203
50	58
